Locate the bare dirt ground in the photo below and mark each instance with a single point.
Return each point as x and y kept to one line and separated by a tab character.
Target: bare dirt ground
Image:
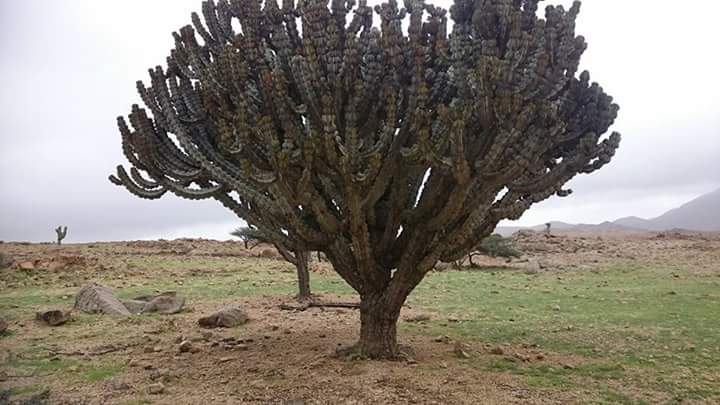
286	357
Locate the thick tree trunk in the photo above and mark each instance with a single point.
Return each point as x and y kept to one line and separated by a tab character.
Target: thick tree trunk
302	264
378	328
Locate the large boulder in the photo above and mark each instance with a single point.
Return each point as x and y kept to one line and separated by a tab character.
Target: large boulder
53	317
227	317
95	298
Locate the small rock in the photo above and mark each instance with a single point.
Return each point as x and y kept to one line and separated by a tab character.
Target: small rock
540	357
497	350
53	317
226	318
442	339
26	265
73	368
118	384
156	389
225	359
460	350
556	308
4	376
164	303
185	346
3	325
568	366
133	363
159	373
418	318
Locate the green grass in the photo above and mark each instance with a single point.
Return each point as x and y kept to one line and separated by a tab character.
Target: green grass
617	398
26	390
638	321
100	372
34	360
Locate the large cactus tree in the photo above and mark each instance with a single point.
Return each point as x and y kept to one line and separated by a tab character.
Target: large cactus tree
386	149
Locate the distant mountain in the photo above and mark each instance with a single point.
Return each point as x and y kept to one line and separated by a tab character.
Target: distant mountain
700	214
633	222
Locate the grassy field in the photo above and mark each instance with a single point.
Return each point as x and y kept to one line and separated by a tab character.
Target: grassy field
627	333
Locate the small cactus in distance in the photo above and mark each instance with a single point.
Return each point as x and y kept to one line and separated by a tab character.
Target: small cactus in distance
61	233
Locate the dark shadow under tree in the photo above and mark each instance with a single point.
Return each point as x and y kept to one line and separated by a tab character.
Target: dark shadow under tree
386	149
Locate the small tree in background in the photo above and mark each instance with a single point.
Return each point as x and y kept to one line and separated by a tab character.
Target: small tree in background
387	148
494	246
300	259
250	237
61	233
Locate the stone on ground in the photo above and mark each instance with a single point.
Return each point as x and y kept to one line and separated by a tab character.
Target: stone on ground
185	346
225	318
26	265
95	298
53	317
418	318
3	325
164	303
156	389
134	306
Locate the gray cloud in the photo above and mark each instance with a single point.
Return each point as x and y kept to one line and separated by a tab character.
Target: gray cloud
68	68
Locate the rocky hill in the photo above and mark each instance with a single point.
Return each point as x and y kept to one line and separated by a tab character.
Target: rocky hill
701	214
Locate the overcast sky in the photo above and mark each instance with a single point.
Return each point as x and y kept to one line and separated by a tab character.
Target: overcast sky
68	68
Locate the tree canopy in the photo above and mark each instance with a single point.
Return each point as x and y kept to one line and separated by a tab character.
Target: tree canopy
386	149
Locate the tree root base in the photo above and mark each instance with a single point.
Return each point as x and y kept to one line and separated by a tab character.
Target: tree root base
354	353
303	305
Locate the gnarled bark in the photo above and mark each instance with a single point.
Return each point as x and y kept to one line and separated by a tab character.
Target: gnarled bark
378	328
